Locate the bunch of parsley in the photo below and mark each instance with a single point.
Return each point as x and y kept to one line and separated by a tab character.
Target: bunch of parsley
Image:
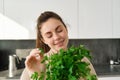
67	65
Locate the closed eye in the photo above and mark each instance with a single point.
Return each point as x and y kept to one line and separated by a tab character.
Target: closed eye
48	35
59	29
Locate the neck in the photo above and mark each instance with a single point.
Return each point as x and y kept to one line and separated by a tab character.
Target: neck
56	51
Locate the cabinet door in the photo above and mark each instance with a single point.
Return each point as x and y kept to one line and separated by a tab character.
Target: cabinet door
95	19
1	7
25	13
1	15
116	18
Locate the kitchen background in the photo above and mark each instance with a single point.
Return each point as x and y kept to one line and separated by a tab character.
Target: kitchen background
93	23
102	50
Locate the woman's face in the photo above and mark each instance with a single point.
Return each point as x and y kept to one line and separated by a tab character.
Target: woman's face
54	34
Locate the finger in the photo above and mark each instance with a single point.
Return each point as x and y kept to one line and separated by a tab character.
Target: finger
35	51
31	61
37	56
38	50
27	61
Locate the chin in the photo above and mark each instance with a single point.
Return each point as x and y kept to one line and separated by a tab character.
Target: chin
63	47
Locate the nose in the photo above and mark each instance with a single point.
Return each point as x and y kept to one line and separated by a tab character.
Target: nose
56	36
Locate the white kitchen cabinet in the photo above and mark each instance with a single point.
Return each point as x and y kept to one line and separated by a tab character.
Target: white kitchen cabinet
109	78
1	14
84	18
25	13
116	18
95	19
1	7
1	11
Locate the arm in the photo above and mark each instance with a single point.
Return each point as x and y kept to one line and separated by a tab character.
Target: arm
90	66
25	75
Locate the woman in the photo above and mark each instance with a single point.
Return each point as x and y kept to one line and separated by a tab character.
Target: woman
52	35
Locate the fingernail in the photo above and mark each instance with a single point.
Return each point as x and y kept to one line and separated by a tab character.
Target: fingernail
37	48
37	54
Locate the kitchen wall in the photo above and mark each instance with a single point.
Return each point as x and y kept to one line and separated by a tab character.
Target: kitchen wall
8	47
101	49
84	18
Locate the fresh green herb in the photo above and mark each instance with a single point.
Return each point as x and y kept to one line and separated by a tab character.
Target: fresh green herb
67	65
42	51
35	76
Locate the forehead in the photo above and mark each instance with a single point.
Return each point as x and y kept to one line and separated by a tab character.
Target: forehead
50	25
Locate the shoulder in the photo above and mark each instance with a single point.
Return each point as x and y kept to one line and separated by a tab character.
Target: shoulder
90	66
86	60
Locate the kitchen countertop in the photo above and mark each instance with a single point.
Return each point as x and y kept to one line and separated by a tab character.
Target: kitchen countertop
4	75
101	70
107	70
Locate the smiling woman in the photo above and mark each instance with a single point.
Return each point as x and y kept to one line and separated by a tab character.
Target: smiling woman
56	36
52	36
10	29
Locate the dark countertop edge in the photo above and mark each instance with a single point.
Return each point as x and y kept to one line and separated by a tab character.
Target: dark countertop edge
100	76
107	70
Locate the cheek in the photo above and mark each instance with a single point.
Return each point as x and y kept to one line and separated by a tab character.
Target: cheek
48	41
65	34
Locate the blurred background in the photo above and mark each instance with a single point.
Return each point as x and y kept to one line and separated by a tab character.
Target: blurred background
93	23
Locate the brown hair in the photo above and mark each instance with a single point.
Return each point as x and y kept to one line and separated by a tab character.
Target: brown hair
41	19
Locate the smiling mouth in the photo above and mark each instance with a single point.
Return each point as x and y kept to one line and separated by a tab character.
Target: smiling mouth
60	43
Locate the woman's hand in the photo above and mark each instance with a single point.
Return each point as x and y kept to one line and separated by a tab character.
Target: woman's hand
33	62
